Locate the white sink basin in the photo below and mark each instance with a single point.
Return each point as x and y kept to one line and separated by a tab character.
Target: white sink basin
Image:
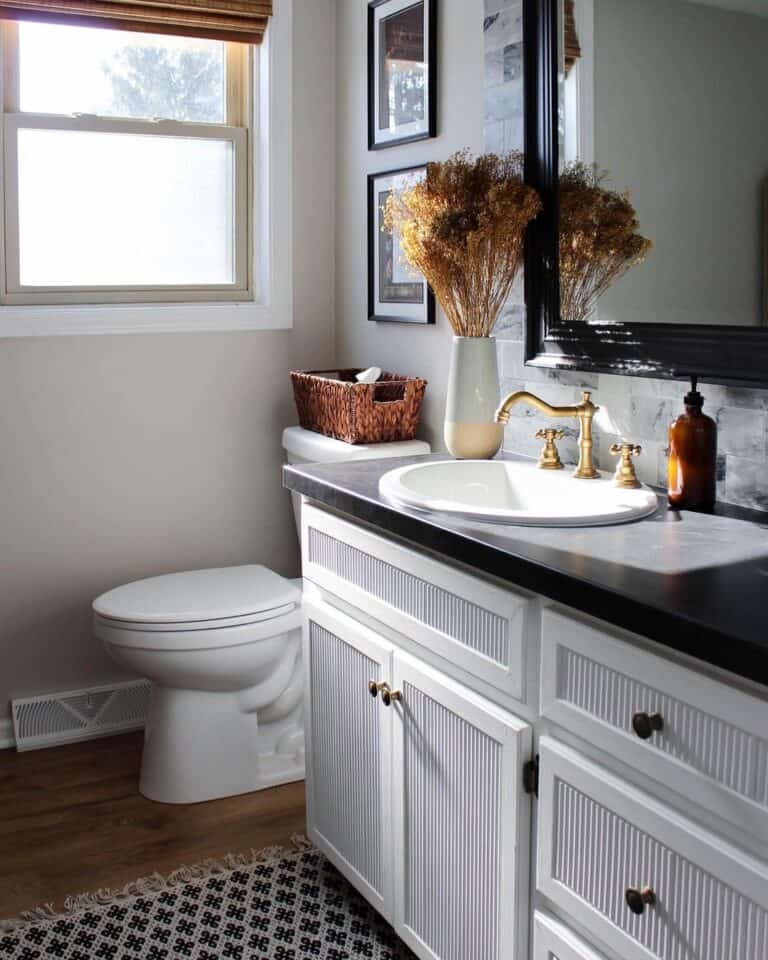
499	491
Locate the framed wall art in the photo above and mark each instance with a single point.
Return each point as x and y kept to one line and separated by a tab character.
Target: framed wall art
395	291
402	72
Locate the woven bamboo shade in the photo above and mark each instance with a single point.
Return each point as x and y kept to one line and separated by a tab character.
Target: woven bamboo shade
243	21
572	48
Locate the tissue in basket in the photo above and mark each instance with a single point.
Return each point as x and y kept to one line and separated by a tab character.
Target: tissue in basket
332	402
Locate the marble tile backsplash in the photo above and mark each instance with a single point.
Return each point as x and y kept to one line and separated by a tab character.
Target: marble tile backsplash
632	408
641	410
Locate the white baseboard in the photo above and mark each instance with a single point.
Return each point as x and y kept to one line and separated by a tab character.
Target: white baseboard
7	738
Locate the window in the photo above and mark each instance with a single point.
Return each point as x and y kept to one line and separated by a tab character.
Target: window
126	167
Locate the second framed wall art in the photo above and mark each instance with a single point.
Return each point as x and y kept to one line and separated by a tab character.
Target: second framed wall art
395	291
402	72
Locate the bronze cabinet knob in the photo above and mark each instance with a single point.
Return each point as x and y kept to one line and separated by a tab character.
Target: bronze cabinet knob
638	899
387	696
646	724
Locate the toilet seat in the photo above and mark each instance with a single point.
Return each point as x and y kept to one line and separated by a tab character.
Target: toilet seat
217	624
199	609
197	596
210	636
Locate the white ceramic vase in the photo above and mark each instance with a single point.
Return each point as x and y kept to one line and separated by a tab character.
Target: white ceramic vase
473	398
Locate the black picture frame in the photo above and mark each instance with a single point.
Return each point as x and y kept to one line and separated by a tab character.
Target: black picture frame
374	142
732	355
424	311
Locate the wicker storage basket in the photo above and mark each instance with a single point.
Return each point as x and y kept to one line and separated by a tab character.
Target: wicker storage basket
332	402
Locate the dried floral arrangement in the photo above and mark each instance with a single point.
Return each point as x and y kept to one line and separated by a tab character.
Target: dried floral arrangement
463	228
598	239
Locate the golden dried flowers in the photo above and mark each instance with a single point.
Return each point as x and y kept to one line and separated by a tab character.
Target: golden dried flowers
463	228
598	239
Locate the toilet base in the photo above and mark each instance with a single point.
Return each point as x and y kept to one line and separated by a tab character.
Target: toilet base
201	745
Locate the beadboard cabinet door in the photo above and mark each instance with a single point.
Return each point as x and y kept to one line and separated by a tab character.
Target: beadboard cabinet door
461	820
641	877
348	736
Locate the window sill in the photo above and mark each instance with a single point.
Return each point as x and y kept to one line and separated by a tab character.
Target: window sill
55	321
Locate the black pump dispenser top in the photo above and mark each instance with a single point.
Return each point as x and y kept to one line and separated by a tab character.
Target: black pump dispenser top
694	398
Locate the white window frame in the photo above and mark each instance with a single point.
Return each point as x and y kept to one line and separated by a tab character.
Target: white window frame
579	87
269	177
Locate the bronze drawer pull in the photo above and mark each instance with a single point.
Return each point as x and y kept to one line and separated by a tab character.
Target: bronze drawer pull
387	695
637	899
645	725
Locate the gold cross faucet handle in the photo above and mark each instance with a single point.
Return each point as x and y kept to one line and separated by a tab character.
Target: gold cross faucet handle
625	477
550	457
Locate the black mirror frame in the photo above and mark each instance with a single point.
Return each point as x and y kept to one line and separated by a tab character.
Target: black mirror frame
731	355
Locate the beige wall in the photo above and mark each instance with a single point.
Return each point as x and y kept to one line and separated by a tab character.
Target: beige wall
422	351
127	456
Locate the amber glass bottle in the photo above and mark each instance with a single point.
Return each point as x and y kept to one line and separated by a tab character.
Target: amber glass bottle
692	466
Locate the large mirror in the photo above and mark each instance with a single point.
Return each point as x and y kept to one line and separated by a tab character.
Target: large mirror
669	100
647	134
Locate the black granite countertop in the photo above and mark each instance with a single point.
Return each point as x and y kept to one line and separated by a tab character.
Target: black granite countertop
694	582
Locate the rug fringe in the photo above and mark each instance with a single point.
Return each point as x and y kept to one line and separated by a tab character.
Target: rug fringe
157	883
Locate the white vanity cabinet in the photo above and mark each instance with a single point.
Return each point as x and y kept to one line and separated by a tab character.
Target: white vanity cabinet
416	795
490	703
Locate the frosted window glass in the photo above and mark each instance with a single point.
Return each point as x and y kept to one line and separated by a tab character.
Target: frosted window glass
119	74
102	209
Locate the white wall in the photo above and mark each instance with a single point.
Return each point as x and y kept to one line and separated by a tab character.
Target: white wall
680	107
412	350
128	456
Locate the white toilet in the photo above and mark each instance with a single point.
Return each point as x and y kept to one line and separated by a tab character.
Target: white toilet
223	651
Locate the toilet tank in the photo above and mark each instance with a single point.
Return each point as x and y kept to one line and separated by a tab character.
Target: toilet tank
304	446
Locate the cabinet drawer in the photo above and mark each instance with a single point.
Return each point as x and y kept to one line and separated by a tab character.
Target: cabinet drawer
600	838
553	941
474	624
713	743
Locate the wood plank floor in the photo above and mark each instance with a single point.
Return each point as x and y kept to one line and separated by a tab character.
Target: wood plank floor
72	820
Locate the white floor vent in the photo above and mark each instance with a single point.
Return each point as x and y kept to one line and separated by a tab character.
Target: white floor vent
58	718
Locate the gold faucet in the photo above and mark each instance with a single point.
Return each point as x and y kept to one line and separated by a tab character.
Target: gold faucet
584	411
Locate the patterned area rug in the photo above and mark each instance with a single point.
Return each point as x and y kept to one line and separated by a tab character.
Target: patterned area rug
272	905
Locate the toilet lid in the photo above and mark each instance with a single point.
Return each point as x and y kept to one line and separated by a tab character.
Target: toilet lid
200	595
